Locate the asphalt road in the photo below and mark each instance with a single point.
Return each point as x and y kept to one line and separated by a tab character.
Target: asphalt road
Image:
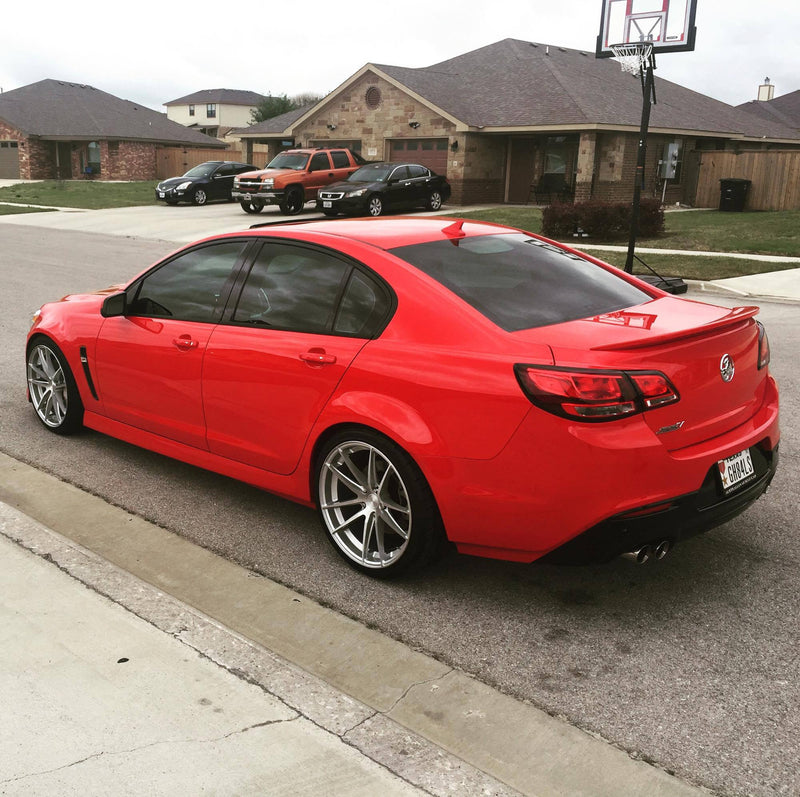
692	663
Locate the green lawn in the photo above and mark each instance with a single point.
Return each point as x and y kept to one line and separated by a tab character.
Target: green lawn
10	210
80	194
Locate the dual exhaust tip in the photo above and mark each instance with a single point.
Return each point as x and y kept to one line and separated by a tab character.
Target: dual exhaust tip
655	552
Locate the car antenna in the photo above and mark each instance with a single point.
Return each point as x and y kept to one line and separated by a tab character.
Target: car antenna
455	230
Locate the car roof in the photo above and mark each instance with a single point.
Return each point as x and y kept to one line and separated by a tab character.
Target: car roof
390	233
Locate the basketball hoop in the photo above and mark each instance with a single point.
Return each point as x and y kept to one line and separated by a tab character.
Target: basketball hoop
633	57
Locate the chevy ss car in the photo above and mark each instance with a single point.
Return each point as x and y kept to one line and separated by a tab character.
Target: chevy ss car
423	380
379	187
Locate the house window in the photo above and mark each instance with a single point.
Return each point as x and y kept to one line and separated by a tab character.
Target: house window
113	147
93	158
191	110
211	110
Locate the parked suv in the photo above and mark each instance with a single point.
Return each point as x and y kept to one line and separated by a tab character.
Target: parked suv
293	177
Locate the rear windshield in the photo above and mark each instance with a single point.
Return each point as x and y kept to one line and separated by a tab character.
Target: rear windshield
519	282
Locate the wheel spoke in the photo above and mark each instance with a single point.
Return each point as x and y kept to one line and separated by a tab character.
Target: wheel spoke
339	504
387	518
352	485
369	529
364	513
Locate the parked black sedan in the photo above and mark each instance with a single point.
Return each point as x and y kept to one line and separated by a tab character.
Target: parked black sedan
378	187
210	180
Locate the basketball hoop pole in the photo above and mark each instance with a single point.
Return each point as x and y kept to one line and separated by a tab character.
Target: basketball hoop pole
648	98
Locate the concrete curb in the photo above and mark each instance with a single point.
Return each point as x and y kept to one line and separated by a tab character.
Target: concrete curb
388	689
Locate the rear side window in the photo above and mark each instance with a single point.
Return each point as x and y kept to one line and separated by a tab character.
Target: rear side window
519	282
340	159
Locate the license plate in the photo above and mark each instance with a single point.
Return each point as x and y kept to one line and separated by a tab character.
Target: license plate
160	194
735	470
327	204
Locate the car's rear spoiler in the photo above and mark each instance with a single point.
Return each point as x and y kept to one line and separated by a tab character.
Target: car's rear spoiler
735	316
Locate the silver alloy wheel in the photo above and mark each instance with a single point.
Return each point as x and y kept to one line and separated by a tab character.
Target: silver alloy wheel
364	504
47	383
435	201
375	206
200	197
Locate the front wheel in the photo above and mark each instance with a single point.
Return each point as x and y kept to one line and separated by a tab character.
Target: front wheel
434	201
375	505
52	388
293	202
200	197
252	206
375	206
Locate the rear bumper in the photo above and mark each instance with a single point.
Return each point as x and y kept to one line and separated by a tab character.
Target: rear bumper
674	520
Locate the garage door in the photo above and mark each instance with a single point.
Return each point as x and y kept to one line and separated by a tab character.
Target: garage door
9	160
430	152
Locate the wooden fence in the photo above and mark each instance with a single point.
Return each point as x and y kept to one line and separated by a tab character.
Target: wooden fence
774	176
174	161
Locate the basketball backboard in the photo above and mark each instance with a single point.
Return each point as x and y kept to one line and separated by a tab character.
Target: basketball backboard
667	25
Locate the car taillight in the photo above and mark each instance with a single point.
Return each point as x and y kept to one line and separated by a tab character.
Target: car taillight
594	395
763	346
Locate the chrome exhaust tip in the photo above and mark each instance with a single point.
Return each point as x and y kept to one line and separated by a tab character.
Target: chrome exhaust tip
662	549
640	556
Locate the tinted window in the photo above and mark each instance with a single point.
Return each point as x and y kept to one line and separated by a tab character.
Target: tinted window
290	287
415	170
189	287
340	160
371	173
519	282
319	161
289	160
363	309
400	173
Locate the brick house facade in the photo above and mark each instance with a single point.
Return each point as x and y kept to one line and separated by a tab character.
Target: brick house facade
73	131
521	122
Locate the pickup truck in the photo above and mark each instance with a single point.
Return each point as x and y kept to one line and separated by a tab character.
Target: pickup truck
293	178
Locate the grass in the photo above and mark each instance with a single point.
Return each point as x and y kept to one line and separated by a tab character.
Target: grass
80	194
10	210
764	233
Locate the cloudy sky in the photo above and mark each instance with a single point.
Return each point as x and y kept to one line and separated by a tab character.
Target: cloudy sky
154	52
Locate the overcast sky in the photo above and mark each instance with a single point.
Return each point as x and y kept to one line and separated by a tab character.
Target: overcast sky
155	52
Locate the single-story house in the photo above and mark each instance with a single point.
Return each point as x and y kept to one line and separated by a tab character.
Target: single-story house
519	121
214	112
59	130
784	109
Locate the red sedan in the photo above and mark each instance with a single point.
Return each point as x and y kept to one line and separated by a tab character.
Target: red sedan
421	380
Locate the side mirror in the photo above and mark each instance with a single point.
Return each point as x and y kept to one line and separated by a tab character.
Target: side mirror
114	305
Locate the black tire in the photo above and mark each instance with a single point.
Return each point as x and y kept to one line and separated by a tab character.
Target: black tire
199	197
374	205
435	201
330	213
375	505
52	387
252	206
293	201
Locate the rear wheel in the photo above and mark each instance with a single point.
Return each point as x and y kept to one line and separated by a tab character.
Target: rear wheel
375	206
375	505
293	202
434	201
52	388
200	197
252	206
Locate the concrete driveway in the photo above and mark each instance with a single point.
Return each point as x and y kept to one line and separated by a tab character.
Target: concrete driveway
180	224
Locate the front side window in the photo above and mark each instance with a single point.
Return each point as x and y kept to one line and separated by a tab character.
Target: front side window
190	287
519	282
319	162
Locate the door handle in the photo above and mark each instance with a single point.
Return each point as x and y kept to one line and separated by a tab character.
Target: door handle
184	343
318	358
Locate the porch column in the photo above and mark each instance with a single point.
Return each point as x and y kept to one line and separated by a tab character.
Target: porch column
584	169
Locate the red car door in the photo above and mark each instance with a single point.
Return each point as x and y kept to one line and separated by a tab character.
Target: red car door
149	361
300	320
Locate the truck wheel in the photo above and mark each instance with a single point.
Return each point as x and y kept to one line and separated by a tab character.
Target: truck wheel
252	206
293	202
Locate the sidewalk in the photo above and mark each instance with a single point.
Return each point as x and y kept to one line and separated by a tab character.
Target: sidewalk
134	662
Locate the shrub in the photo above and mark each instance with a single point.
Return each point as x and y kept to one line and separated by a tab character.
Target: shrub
602	221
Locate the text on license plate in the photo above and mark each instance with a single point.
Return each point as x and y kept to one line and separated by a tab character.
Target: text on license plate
160	194
736	469
327	204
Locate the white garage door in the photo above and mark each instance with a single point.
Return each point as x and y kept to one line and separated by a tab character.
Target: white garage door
430	152
9	160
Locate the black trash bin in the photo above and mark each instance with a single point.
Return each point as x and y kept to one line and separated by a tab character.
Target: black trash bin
733	193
